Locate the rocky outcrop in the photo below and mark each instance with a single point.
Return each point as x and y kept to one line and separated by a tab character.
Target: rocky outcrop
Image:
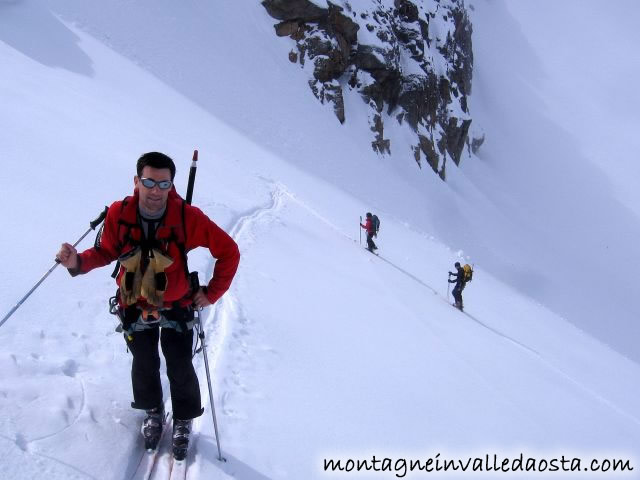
411	62
293	10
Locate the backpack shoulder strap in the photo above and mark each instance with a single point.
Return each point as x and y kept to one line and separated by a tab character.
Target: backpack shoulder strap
127	234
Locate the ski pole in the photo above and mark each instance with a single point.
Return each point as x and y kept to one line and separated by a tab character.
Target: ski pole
360	229
213	407
93	226
195	286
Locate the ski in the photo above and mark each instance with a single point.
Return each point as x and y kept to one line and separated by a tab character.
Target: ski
178	469
149	458
457	308
178	464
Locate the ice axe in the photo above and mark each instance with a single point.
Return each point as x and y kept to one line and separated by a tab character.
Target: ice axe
195	286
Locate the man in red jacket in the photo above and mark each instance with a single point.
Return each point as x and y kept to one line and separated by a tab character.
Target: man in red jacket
150	233
371	232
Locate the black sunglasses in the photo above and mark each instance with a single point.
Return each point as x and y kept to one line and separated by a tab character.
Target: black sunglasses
150	183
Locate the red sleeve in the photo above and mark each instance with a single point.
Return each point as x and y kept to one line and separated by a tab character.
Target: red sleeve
105	251
202	232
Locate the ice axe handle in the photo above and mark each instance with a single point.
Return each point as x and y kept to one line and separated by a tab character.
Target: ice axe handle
192	177
194	281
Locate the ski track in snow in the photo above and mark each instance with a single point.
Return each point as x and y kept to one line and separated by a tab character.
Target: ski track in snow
26	445
216	325
509	339
529	350
29	446
71	424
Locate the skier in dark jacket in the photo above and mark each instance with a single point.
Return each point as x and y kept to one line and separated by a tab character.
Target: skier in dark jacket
371	232
150	234
460	284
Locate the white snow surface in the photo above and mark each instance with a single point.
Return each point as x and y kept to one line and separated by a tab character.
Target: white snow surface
320	349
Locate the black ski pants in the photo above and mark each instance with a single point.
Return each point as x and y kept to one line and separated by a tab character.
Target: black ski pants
370	245
145	371
457	293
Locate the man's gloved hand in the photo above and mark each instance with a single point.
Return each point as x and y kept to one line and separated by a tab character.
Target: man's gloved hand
200	299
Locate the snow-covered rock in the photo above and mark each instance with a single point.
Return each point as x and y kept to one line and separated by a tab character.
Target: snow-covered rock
408	60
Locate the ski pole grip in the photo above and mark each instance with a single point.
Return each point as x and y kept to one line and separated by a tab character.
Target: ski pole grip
100	218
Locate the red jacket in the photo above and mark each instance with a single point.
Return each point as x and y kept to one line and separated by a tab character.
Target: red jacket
122	233
368	226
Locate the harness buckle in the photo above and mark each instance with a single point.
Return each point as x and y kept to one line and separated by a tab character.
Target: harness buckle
150	315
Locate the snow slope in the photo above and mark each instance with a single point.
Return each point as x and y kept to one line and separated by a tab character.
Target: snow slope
319	349
532	208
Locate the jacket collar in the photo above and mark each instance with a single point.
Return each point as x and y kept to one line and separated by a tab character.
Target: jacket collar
130	210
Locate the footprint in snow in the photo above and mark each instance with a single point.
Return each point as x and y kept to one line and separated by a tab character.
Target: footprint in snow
70	368
22	442
241	333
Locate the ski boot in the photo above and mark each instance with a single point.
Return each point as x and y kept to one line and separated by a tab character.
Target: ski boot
181	431
152	427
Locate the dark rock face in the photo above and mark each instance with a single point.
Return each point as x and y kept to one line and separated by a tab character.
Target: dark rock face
292	10
409	62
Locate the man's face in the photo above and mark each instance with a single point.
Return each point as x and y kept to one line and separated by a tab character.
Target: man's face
153	200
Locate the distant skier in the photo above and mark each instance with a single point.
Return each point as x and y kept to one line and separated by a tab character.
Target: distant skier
462	276
150	234
371	226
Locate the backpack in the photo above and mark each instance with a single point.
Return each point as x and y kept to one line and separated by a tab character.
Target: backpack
375	221
468	273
